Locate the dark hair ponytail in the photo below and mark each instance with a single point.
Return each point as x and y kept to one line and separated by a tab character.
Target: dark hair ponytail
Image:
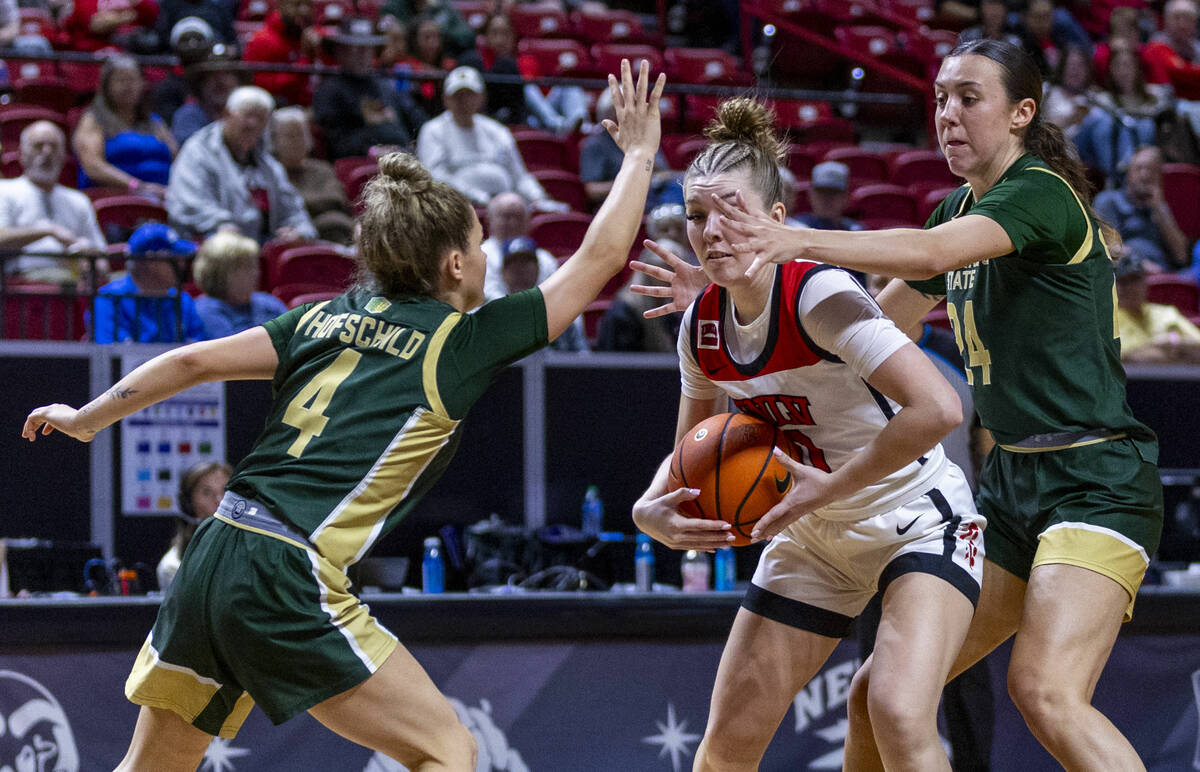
1023	80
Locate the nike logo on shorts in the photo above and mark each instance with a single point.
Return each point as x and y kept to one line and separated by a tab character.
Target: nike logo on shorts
901	531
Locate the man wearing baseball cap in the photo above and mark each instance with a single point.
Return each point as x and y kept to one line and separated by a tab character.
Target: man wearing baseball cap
146	305
472	152
829	195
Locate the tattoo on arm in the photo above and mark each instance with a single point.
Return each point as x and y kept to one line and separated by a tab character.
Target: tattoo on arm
119	393
932	296
649	165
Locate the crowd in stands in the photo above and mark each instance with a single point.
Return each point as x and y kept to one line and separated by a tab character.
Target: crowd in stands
239	156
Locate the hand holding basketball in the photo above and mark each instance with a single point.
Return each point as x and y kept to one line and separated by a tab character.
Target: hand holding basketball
731	458
662	520
809	491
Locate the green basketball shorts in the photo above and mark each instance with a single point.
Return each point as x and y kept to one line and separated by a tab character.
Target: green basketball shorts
254	615
1098	506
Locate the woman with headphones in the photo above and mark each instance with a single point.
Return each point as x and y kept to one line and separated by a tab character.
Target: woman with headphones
200	491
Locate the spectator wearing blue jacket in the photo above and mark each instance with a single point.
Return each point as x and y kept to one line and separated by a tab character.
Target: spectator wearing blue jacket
146	305
227	271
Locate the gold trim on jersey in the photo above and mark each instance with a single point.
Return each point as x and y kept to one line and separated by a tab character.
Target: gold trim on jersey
371	642
429	366
1087	440
1086	247
308	314
1103	550
179	689
354	525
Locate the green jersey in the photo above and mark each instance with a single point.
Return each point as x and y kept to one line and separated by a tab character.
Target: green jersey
368	396
1037	327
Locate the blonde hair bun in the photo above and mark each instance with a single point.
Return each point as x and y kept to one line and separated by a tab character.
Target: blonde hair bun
406	173
749	122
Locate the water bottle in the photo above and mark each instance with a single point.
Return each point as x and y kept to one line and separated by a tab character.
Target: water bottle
725	568
593	512
433	570
694	569
643	563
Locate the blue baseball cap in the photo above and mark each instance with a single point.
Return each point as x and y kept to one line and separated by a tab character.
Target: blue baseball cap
157	237
518	245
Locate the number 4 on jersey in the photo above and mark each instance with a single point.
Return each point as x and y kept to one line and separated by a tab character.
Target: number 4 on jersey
967	337
306	411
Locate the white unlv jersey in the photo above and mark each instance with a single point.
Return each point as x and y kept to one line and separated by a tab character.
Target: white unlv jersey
802	365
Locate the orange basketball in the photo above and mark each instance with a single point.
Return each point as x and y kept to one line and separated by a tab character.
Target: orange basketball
729	458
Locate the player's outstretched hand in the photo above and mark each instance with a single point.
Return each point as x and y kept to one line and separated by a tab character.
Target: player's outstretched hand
660	518
637	126
64	418
809	491
756	234
682	282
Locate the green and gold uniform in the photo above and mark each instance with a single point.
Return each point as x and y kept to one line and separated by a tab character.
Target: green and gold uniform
369	393
1073	478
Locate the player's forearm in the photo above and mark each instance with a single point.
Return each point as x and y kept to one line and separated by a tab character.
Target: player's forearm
908	436
904	253
616	224
154	381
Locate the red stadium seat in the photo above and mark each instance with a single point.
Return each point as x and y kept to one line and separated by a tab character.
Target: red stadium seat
559	233
14	117
698	111
592	315
883	201
42	312
874	41
837	130
930	201
358	180
315	264
1174	290
796	113
10	163
800	160
670	145
865	165
919	12
289	292
557	57
535	20
127	212
476	12
802	203
563	186
253	10
915	166
308	297
703	65
606	57
689	150
51	93
542	150
1181	188
608	26
344	167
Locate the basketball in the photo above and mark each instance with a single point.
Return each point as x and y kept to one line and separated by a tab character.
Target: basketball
728	457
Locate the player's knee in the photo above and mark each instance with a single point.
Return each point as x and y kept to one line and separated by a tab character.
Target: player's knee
459	749
898	718
1040	699
723	753
856	704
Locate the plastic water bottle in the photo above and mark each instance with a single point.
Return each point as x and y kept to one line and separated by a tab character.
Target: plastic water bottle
695	571
593	512
643	563
725	569
433	570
